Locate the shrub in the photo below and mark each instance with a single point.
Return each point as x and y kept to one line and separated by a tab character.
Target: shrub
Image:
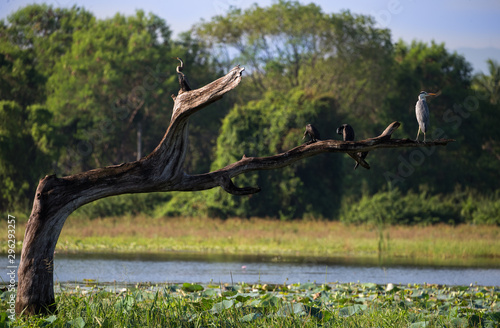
392	207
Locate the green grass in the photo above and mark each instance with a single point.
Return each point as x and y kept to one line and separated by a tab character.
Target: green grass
297	305
436	244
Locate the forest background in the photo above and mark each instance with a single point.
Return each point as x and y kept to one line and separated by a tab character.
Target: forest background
77	92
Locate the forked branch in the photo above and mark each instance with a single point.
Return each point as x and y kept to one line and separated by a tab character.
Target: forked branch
222	176
162	170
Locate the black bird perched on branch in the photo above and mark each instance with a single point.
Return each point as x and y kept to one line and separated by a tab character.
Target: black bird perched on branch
312	132
183	83
347	133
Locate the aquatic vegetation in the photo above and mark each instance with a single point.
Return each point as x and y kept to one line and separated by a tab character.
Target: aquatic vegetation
242	305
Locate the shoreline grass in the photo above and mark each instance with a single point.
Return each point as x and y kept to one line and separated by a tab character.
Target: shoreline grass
256	236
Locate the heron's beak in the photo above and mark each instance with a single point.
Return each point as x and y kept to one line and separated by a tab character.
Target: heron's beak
431	94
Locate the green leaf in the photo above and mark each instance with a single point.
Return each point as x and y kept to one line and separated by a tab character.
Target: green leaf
209	292
250	317
269	301
76	323
221	306
351	310
370	285
187	287
289	309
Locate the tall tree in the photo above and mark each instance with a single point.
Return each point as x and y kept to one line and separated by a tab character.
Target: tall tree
105	88
289	45
490	84
272	125
487	93
31	41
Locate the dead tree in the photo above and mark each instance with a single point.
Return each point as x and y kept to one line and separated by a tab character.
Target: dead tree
162	170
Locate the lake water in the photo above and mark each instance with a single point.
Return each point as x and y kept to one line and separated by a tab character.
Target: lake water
196	268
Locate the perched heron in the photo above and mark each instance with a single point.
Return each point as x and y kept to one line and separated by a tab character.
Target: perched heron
183	83
312	132
347	133
422	113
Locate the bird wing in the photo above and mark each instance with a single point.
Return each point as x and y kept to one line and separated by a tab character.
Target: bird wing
348	133
422	113
315	132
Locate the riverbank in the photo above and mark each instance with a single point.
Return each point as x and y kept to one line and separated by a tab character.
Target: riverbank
141	234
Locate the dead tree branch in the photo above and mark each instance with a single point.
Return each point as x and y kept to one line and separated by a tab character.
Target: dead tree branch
162	170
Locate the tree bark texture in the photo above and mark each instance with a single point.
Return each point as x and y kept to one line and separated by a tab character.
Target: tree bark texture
162	170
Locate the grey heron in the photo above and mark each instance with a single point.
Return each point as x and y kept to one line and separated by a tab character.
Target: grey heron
422	112
183	83
312	132
347	133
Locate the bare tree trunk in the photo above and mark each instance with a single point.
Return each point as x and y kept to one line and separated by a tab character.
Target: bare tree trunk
161	170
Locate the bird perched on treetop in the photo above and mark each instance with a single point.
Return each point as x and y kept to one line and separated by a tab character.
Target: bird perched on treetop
312	132
183	83
422	112
347	133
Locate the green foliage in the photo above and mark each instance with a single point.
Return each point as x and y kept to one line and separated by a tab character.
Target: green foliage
294	305
25	141
109	83
392	207
490	84
122	205
76	90
482	209
261	128
342	56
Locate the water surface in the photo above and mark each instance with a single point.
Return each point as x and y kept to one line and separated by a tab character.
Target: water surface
202	268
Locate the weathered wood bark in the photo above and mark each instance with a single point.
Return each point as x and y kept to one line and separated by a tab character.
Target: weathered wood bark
56	198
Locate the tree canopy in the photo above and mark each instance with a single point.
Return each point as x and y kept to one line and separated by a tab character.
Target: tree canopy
76	91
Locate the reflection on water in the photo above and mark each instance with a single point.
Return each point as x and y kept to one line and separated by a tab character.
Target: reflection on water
206	268
180	268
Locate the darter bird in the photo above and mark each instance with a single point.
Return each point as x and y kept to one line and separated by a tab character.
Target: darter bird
183	83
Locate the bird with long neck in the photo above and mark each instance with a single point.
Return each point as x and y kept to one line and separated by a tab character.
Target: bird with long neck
183	83
422	113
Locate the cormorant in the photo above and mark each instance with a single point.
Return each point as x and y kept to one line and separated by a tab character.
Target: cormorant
347	133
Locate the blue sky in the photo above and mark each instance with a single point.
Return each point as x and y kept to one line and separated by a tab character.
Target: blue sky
470	27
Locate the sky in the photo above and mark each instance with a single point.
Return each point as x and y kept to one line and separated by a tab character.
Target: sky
470	27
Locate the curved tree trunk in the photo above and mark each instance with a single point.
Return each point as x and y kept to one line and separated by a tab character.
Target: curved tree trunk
56	198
